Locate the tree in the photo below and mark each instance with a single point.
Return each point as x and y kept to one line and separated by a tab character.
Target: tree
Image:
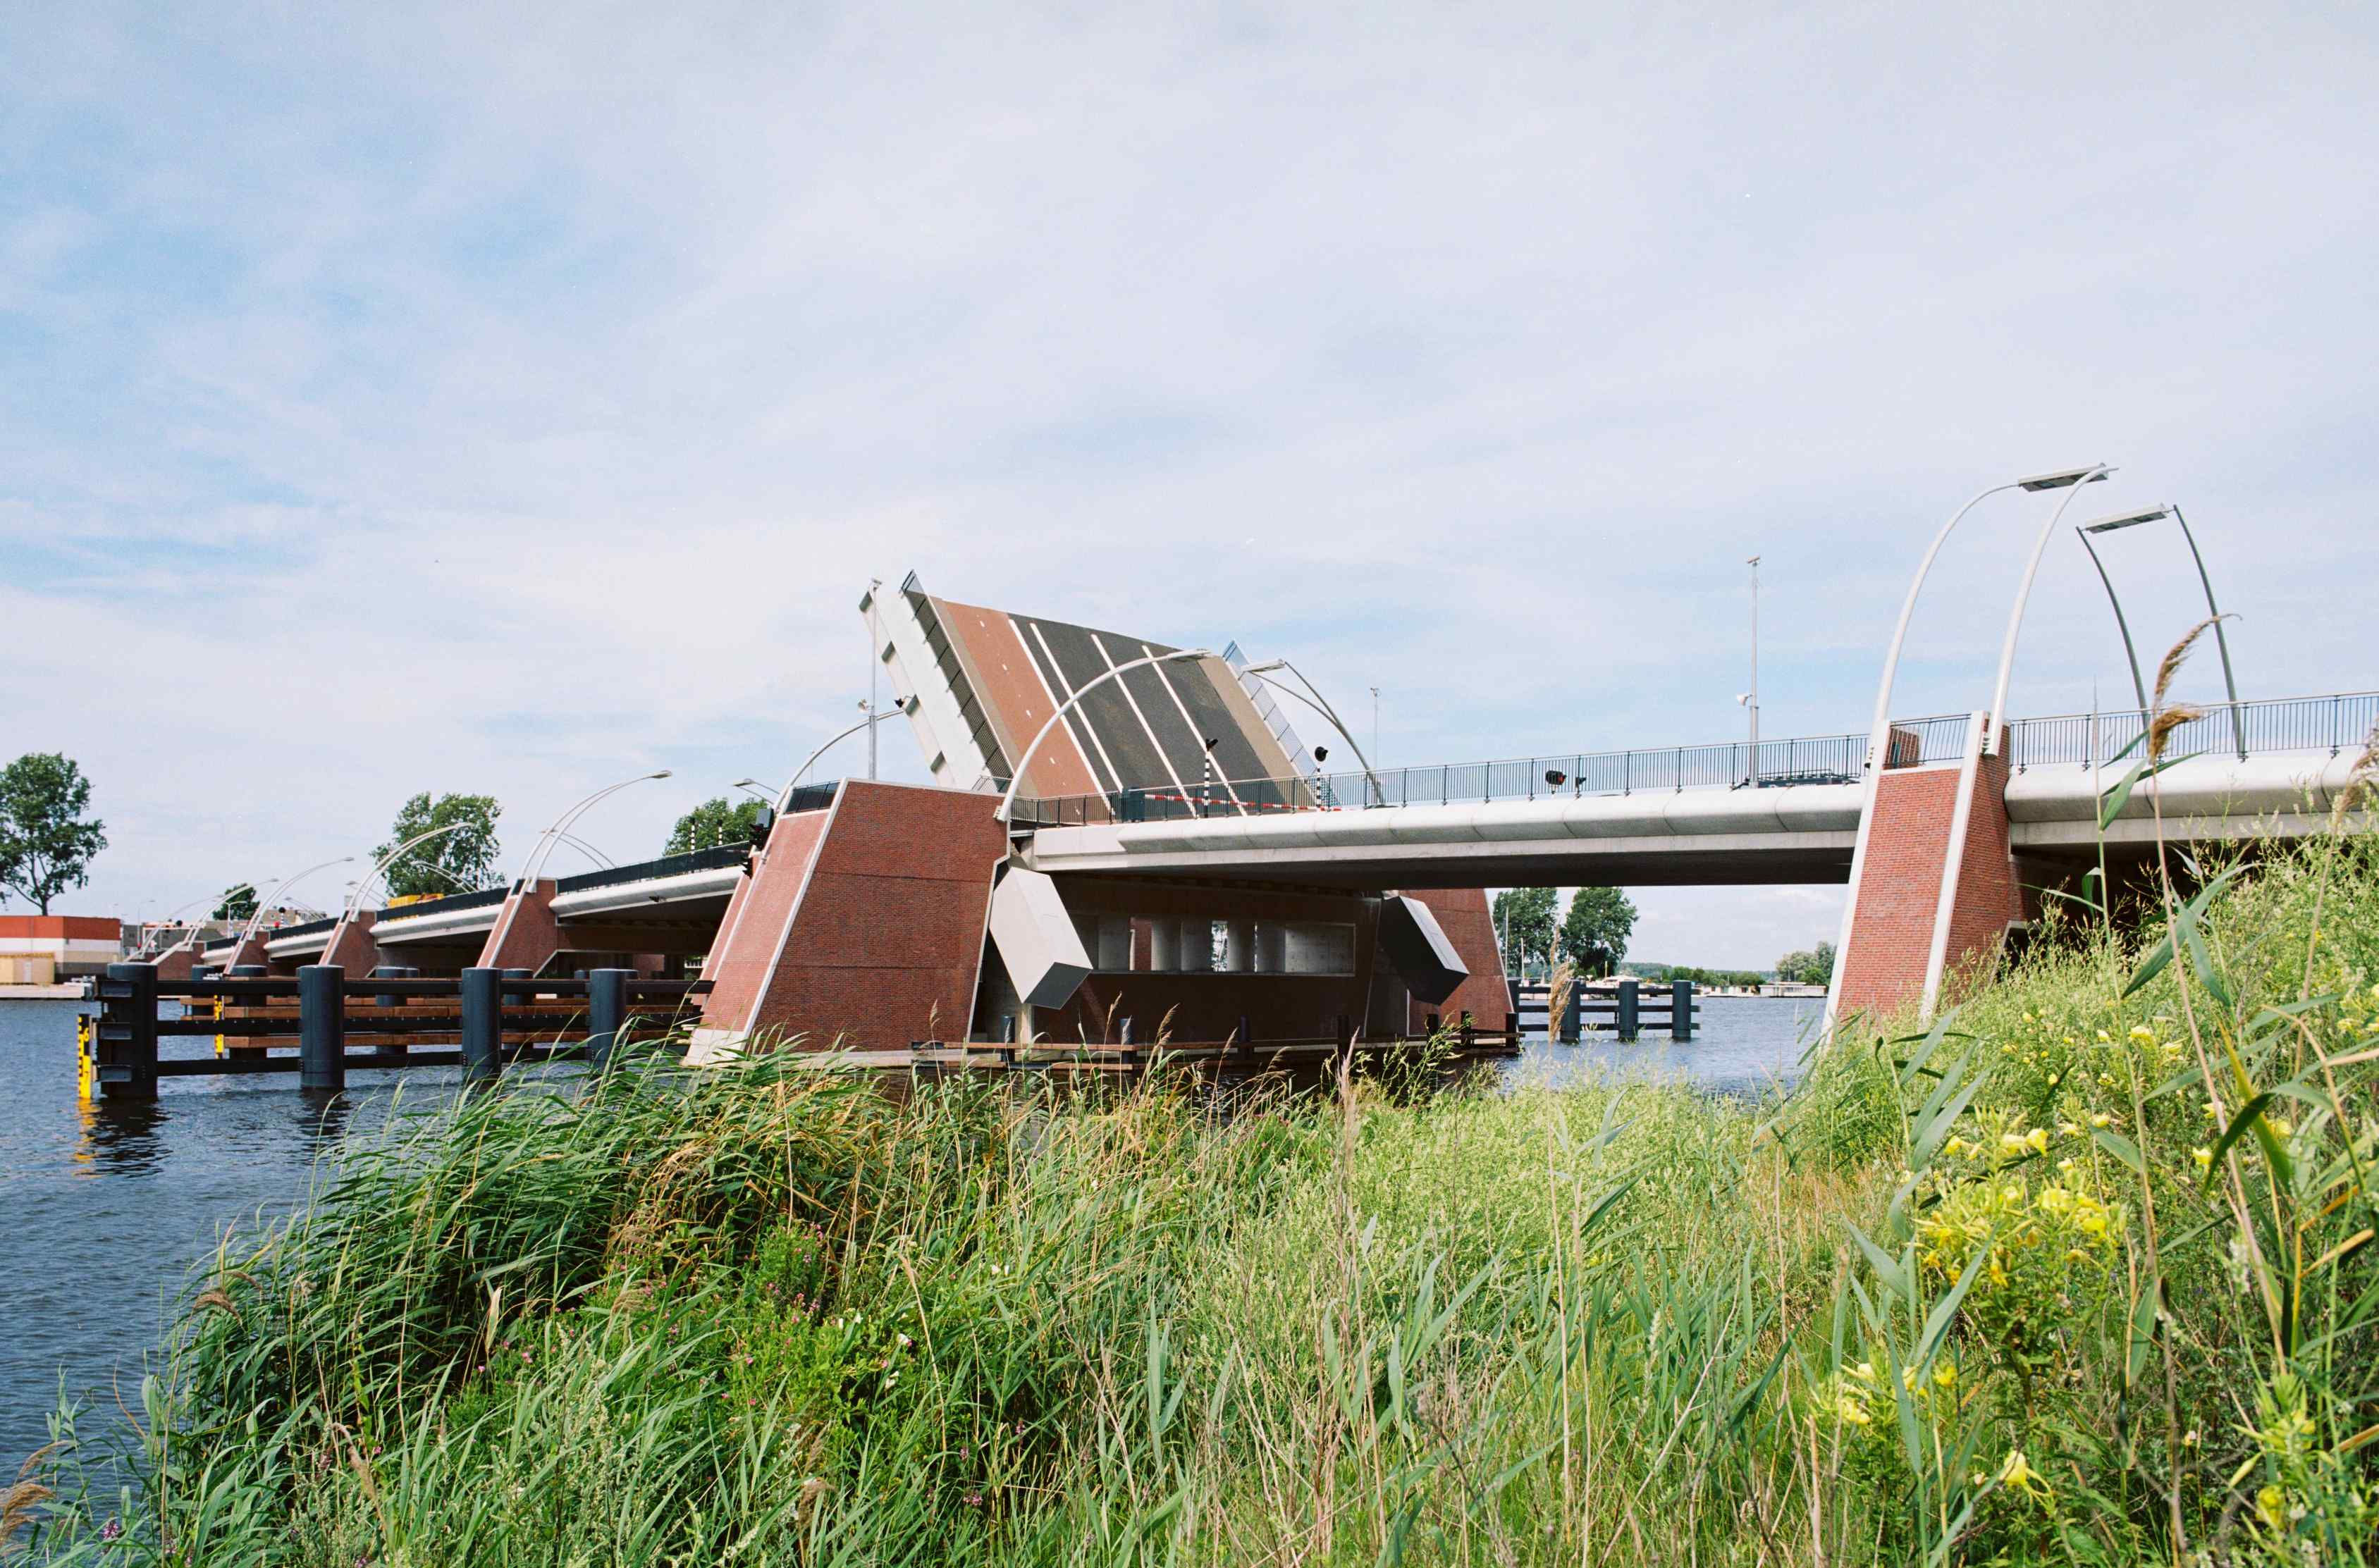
461	862
238	902
45	844
1594	934
1808	968
1524	920
716	821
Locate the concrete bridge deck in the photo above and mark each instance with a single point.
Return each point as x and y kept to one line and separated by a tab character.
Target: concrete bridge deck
1793	834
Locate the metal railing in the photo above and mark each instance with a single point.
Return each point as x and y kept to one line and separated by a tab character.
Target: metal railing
2287	724
446	905
1824	759
2272	726
711	859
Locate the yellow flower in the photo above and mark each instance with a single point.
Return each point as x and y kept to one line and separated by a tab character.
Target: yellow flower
2202	1156
1853	1409
1946	1375
2105	1038
2282	1126
2100	1119
2016	1473
2144	1034
2038	1139
2271	1504
2056	1201
1864	1371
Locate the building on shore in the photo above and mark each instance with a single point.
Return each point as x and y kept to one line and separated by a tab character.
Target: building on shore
59	948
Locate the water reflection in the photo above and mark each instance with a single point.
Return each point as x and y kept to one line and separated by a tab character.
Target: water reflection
121	1138
322	1116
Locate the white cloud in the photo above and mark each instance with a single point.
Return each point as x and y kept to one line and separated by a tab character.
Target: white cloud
512	398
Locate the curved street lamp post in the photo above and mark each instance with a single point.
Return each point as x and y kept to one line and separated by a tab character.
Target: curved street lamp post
1321	705
1879	728
1024	758
2157	514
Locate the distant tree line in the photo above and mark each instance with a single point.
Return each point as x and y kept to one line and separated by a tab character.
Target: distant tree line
1813	968
1592	936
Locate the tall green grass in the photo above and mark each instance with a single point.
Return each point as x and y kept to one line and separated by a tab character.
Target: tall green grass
2079	1275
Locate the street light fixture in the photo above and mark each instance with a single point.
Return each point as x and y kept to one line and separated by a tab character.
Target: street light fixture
362	884
1879	729
273	898
1024	758
2122	520
1750	699
1311	697
544	846
1997	718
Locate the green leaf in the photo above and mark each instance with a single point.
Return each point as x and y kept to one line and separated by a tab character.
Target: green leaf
2152	965
1743	1406
2143	1329
2202	962
1886	1266
1937	1325
2121	1148
2118	795
2249	1115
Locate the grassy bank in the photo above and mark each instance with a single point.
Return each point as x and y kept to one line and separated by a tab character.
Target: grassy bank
2077	1277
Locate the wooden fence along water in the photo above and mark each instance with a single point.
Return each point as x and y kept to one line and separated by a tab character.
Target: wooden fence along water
478	1021
1628	1009
487	1018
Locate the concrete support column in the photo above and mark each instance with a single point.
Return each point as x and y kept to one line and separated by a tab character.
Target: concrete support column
1239	947
607	1013
483	1023
321	1028
134	1014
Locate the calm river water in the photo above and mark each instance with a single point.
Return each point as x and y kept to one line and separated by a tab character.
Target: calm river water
113	1205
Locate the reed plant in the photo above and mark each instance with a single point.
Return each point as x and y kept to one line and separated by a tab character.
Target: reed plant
2080	1274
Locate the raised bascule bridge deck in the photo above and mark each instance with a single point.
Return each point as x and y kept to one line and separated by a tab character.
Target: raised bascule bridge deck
1176	866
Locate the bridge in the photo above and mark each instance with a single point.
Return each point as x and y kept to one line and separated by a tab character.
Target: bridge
1127	840
1701	815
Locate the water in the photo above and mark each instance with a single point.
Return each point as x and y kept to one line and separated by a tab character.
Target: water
1740	1045
113	1204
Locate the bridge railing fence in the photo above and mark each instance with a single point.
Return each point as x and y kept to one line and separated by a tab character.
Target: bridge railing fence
2330	723
2288	724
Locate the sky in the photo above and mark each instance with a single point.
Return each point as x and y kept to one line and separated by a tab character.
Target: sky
516	398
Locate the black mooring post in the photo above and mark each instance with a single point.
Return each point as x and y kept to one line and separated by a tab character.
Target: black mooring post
483	1023
1681	1009
1628	1001
607	1013
1246	1040
322	1027
135	1048
1572	1018
388	971
1428	1021
247	972
1127	1031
